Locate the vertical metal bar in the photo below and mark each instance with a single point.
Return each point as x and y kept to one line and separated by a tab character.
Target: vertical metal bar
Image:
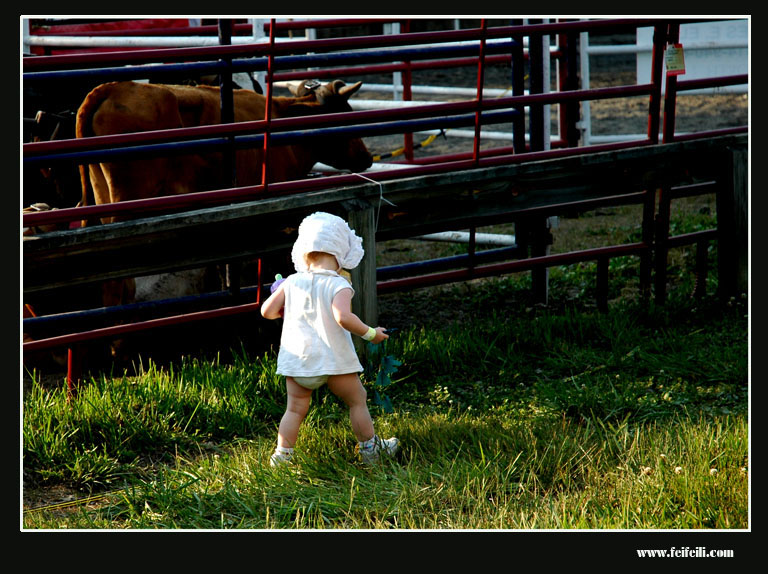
654	103
569	112
561	63
536	64
480	85
259	283
670	94
257	33
268	105
393	28
586	123
226	101
225	75
407	79
518	89
227	108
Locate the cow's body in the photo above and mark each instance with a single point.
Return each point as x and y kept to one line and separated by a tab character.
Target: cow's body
125	107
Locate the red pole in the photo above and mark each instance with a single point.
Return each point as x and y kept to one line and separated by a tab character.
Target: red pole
268	119
73	369
258	282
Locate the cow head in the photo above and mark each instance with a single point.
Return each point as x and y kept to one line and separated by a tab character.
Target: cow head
44	228
340	152
57	184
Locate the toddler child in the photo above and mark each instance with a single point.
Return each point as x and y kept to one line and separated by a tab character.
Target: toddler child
316	342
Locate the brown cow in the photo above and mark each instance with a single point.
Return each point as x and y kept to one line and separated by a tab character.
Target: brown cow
124	107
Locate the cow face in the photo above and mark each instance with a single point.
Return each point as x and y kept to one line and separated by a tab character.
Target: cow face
340	152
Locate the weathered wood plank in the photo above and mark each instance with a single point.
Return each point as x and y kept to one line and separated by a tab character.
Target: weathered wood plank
733	222
421	204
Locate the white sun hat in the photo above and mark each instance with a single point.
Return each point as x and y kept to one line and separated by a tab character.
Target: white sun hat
328	233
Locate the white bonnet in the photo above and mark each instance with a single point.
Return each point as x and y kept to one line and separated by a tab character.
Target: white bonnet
328	233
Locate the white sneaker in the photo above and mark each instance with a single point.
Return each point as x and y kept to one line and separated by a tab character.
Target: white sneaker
370	454
280	458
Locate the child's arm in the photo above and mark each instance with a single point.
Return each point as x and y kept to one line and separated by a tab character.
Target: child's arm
273	306
342	312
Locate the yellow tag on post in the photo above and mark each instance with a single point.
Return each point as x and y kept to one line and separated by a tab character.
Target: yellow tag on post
675	60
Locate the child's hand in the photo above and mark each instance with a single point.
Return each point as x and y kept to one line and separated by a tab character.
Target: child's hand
381	335
278	279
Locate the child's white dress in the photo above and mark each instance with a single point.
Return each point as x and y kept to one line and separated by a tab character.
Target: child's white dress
312	342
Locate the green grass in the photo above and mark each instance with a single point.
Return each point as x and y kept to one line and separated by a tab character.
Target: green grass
559	418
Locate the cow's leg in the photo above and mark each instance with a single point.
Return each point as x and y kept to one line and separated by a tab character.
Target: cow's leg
101	191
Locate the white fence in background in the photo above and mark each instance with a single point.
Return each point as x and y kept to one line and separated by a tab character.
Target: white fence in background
711	49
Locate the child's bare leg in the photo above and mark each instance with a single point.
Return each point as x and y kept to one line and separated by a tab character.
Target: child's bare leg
295	411
350	390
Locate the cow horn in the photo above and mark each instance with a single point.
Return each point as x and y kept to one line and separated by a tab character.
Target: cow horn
294	87
348	91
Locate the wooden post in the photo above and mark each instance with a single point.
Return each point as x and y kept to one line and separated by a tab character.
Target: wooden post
540	246
733	219
361	218
539	63
700	288
601	288
646	259
739	158
661	248
533	236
